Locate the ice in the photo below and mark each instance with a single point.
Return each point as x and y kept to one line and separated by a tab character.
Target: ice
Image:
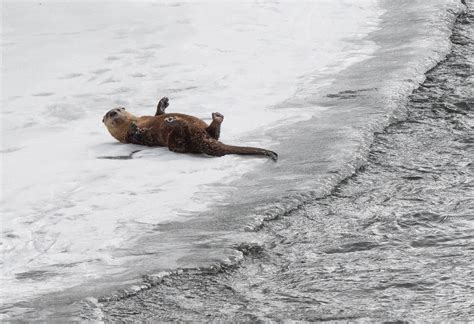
67	205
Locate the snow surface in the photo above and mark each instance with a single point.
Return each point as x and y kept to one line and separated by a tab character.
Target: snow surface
65	209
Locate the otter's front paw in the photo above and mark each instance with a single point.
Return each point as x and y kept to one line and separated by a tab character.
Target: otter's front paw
164	103
134	134
133	128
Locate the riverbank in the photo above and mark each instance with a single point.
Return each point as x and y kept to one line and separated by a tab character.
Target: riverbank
391	243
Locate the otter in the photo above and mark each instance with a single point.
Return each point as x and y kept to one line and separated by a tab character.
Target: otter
179	132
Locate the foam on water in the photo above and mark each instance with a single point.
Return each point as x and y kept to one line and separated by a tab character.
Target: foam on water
390	243
71	216
320	152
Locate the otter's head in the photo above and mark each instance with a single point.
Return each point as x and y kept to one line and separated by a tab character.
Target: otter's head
117	122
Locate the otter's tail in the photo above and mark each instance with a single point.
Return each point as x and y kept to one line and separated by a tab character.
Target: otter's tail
216	148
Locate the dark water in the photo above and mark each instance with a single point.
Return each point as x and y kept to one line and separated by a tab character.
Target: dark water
395	242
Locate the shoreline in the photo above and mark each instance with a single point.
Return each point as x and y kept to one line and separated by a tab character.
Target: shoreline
245	249
69	226
236	255
238	278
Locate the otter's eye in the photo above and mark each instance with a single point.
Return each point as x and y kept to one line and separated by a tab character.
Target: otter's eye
112	114
122	109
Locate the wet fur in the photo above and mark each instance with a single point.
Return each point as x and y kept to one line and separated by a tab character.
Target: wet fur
179	132
185	138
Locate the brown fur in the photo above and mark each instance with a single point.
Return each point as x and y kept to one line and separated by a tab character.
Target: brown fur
179	132
119	126
185	138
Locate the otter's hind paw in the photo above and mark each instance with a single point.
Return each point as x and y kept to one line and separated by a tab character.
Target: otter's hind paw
218	117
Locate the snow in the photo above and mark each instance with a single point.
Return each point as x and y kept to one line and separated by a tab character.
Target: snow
66	209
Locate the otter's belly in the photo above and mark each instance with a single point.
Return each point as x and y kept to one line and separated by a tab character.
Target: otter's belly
158	121
190	120
157	131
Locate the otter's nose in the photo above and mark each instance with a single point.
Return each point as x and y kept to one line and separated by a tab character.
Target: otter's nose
111	113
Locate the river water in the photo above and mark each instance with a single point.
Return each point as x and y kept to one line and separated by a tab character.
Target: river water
366	216
393	242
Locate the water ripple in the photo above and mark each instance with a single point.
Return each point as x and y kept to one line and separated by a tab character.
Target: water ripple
390	244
